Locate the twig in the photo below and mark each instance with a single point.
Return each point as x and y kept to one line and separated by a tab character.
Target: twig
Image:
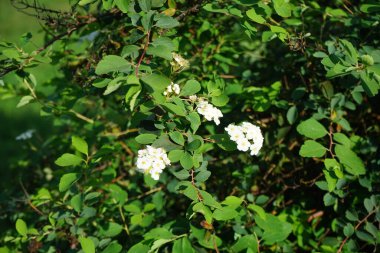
143	53
81	116
331	141
118	134
215	246
28	200
195	8
148	193
124	221
199	195
355	228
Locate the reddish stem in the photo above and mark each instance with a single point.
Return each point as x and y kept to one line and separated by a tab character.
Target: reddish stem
143	53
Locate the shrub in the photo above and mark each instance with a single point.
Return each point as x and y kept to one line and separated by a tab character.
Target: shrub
197	126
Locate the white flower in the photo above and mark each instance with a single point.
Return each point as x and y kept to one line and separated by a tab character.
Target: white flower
237	135
209	111
176	89
193	98
172	88
243	144
143	163
152	160
255	149
26	135
247	137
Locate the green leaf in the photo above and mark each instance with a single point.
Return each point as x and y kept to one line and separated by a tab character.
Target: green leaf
202	176
21	227
80	144
224	142
67	180
255	17
368	204
182	174
139	248
292	114
84	2
245	242
312	149
186	161
330	166
77	202
175	109
113	247
111	229
160	51
194	145
191	87
87	245
275	230
68	160
164	142
348	230
177	137
158	233
329	199
233	201
259	210
24	101
195	120
166	22
101	82
312	128
225	213
283	8
112	63
204	210
146	138
122	5
182	245
221	100
131	96
145	5
186	188
158	243
209	200
175	155
114	85
352	163
156	82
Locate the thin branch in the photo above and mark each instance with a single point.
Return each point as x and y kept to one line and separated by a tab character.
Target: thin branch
331	141
195	8
143	53
81	116
199	195
356	228
28	200
215	245
148	193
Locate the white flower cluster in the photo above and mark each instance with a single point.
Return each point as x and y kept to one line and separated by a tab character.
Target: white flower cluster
206	109
247	137
152	160
172	88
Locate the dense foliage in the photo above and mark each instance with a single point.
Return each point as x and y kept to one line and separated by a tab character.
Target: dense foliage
120	93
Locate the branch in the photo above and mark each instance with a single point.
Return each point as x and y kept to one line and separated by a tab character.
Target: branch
143	53
28	200
195	8
356	228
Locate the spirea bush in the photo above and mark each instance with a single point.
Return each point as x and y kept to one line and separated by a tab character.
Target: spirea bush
196	126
